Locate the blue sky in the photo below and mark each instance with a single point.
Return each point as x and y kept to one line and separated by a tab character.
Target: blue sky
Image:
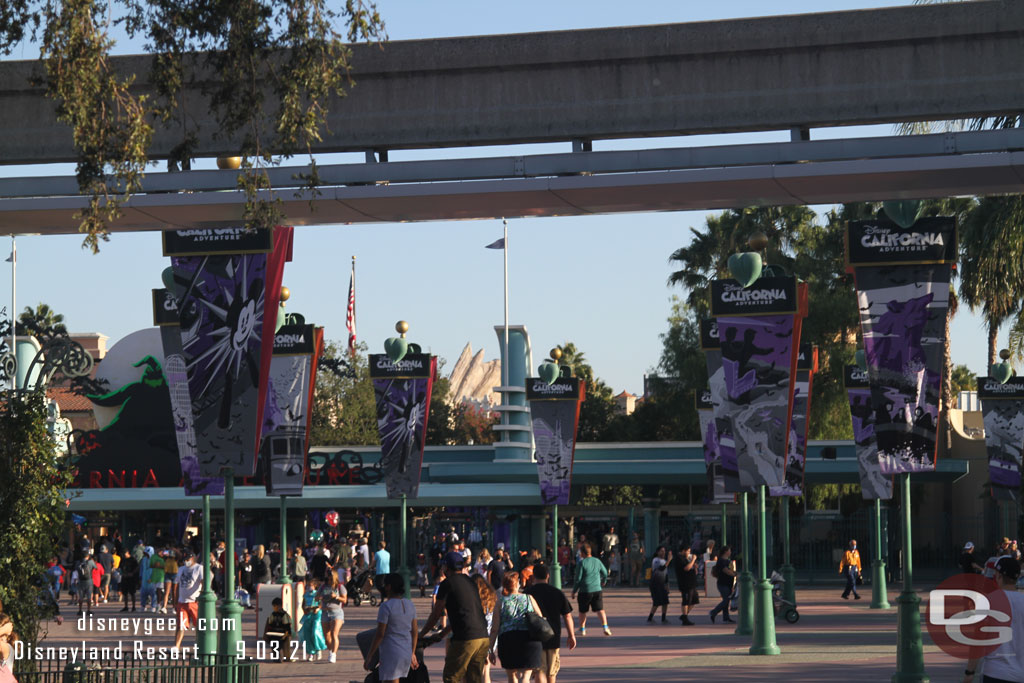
608	295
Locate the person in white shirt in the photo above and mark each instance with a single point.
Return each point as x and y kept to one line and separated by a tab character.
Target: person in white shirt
1007	662
190	583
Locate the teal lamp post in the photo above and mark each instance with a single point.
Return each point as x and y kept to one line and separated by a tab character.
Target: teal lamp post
207	638
787	570
879	590
764	616
230	623
745	618
909	646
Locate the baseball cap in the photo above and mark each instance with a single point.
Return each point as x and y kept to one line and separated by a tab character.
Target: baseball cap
454	560
149	550
1008	567
968	546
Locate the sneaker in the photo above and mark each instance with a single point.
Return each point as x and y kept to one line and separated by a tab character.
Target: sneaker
846	597
713	615
319	655
650	618
687	622
332	658
856	597
163	610
104	601
123	609
607	631
664	620
583	630
728	620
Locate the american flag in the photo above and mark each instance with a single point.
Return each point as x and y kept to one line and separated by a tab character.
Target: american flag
350	317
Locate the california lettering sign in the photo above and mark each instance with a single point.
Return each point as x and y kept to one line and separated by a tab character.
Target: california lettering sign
237	240
563	388
881	242
991	389
293	340
767	295
413	365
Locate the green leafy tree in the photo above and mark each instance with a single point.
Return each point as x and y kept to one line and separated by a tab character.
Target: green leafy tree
33	480
962	379
267	68
598	407
344	409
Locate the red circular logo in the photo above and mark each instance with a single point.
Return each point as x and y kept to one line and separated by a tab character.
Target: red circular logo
968	616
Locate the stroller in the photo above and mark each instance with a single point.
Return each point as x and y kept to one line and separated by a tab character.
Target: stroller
420	675
782	606
359	591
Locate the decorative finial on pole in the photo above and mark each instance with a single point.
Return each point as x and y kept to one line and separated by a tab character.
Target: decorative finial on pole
758	241
401	327
556	354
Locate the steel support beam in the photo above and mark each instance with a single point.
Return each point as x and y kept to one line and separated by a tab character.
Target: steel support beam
798	72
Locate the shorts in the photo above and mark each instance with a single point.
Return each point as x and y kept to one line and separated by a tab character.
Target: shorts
187	613
465	660
690	596
169	578
104	580
591	602
551	662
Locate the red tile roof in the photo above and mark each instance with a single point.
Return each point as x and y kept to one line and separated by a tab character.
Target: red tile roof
69	401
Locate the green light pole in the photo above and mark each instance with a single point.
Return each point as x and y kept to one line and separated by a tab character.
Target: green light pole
745	618
284	541
556	568
206	639
909	648
725	526
764	616
403	551
230	611
788	570
879	591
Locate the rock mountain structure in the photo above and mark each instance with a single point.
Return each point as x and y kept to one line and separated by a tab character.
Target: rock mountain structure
473	379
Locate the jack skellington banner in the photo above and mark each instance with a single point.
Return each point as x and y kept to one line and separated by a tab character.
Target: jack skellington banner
555	414
902	279
796	459
286	418
1002	408
759	334
723	448
165	316
230	283
402	392
873	483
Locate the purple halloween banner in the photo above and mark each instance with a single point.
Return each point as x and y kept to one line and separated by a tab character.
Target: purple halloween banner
287	410
554	412
712	455
402	392
796	457
758	333
1002	408
873	484
725	443
165	316
903	279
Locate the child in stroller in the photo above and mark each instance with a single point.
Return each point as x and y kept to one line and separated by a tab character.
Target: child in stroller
359	589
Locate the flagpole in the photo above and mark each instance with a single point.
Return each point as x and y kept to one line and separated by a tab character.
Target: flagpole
506	361
14	318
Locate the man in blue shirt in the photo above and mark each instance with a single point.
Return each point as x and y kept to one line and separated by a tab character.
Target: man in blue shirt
381	566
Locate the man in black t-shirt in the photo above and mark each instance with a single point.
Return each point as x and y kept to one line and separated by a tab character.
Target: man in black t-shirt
457	595
686	578
556	609
724	572
496	570
968	565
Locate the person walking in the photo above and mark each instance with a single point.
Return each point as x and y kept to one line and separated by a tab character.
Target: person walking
170	579
724	573
105	560
381	566
396	634
84	571
261	566
1005	663
968	564
558	611
298	566
458	596
333	597
686	579
129	579
520	657
636	559
659	583
590	577
488	600
609	543
189	582
850	567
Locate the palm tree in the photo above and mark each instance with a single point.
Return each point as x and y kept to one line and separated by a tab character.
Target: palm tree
991	268
41	321
706	257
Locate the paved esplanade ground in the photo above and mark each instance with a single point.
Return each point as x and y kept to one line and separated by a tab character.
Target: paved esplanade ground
834	640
